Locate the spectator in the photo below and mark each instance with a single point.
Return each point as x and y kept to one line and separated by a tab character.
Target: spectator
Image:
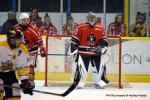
98	20
70	27
11	21
48	28
118	27
35	19
138	29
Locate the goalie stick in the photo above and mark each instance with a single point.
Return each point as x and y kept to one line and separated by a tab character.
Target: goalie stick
70	89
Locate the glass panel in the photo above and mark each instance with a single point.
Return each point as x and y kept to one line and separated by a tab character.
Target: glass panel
139	13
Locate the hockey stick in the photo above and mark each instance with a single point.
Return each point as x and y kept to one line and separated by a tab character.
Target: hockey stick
61	54
74	84
9	86
69	90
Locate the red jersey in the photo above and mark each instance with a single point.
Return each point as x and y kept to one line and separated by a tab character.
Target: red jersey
33	39
68	30
116	30
87	37
50	30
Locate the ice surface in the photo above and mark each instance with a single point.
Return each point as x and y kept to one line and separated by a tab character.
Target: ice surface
139	91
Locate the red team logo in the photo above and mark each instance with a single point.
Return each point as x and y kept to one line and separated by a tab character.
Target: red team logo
91	40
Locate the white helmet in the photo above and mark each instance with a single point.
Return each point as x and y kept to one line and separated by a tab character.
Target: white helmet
23	15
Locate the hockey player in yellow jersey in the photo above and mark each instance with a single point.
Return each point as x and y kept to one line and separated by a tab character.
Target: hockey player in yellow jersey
14	61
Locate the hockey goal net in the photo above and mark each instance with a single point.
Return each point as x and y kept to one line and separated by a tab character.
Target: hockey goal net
60	67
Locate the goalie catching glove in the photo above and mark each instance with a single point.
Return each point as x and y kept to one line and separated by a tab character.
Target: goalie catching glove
27	86
102	48
99	50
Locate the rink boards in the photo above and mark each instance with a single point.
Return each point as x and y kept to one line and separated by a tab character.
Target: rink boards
135	62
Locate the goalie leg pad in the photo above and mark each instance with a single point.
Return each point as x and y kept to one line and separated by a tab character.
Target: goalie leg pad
94	72
104	78
83	63
99	65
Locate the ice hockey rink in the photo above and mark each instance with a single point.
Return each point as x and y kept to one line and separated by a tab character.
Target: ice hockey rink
137	91
127	58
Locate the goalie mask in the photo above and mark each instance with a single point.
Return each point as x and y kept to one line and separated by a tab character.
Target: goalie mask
91	18
15	38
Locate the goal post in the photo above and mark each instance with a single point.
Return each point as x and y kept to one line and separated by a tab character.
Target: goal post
60	67
120	57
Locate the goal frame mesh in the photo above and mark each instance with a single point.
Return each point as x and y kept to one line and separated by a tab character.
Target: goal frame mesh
109	37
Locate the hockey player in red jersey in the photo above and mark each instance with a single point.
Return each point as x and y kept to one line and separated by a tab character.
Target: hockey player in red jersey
33	39
91	42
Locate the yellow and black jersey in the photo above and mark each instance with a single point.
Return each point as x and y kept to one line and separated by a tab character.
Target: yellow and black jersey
14	59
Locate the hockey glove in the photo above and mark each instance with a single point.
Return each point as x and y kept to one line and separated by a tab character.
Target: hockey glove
99	50
27	87
43	51
74	47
